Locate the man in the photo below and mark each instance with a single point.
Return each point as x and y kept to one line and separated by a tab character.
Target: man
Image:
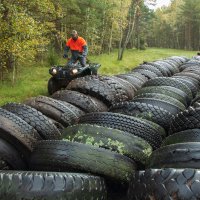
197	57
78	47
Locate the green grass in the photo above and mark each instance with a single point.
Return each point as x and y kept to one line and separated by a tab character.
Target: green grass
132	58
32	81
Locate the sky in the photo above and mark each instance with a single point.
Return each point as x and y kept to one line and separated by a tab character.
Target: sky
160	3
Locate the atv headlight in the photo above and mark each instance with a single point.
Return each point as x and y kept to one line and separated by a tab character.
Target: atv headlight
54	71
74	71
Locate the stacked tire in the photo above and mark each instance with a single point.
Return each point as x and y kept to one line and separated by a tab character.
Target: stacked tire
76	149
174	168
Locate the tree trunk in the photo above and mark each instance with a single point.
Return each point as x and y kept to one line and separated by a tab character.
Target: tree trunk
110	40
122	46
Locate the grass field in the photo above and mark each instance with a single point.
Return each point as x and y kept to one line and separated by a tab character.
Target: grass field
32	81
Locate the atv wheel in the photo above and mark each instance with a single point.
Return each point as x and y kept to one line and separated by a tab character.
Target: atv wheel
53	86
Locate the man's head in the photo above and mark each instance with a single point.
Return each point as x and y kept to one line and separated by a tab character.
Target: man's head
74	35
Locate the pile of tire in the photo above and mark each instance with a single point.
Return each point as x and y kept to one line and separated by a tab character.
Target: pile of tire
75	148
173	169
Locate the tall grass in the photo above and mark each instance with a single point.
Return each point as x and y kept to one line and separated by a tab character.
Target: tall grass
32	80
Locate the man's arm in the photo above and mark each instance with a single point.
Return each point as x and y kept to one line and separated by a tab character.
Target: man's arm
66	50
85	50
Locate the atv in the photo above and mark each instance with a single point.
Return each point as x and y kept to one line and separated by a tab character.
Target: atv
62	75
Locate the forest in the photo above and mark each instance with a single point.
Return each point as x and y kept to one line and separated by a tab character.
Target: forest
30	30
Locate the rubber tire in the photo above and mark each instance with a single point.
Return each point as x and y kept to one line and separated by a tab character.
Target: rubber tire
16	132
159	67
189	74
10	158
170	82
166	66
150	68
115	140
55	109
84	102
171	108
189	119
136	82
128	87
71	156
176	156
21	185
145	129
190	135
36	119
101	87
193	87
53	86
20	124
146	73
166	90
162	97
165	184
138	75
144	111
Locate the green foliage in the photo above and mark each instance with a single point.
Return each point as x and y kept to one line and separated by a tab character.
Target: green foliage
24	30
177	26
52	58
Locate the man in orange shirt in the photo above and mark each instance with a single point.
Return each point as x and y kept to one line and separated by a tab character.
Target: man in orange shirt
78	47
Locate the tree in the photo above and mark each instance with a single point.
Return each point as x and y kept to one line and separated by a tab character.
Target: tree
25	27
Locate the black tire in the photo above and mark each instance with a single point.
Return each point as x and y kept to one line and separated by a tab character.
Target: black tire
115	140
166	90
146	73
183	59
178	155
138	75
170	82
190	135
166	66
10	158
20	124
159	67
150	68
189	74
102	87
144	111
193	80
72	156
171	108
55	109
165	184
145	129
53	86
84	102
36	119
192	68
18	185
74	109
4	165
128	87
12	130
162	97
189	119
195	100
177	61
174	65
193	87
136	82
189	64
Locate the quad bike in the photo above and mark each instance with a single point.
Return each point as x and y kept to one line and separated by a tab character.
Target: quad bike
62	75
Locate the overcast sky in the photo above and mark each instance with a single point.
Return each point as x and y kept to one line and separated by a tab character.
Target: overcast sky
160	3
